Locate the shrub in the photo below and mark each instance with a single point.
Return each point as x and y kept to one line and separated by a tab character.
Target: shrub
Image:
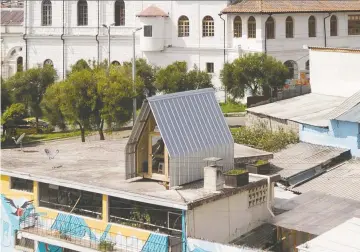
106	245
262	138
261	162
236	172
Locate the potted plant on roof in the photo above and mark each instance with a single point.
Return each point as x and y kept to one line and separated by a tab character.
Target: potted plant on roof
236	177
260	167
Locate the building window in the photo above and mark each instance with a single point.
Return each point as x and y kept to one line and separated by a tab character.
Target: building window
312	27
145	216
82	13
119	13
48	62
333	26
22	184
183	26
237	27
293	69
354	25
66	199
208	27
251	27
147	30
270	28
307	65
210	67
257	196
46	13
19	63
289	27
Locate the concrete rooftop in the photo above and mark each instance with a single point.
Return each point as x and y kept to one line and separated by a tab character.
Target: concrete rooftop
98	166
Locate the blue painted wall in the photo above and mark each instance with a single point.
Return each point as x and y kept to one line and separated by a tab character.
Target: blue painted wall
339	134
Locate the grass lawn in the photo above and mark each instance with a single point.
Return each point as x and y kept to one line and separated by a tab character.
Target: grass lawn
232	107
53	135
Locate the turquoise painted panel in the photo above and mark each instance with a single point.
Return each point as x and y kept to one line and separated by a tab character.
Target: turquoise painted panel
43	247
339	134
156	243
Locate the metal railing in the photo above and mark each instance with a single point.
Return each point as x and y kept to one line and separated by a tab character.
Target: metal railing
73	232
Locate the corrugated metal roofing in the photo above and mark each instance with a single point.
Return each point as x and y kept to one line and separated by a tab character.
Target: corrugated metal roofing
309	109
338	239
298	158
342	181
352	115
12	17
289	6
316	213
190	121
349	110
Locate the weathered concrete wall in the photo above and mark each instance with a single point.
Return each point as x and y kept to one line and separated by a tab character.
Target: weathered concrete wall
271	123
231	217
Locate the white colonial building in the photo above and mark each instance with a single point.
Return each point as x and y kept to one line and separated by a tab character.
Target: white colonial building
63	31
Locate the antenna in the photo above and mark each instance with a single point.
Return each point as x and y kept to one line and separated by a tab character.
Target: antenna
19	140
50	154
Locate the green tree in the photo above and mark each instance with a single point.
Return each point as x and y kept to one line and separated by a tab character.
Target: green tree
29	87
13	116
176	78
51	106
5	96
78	98
146	73
115	94
254	72
80	65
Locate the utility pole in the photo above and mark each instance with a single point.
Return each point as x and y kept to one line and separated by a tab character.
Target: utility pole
134	75
108	28
220	15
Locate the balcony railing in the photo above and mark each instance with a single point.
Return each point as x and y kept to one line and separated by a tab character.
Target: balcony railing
70	230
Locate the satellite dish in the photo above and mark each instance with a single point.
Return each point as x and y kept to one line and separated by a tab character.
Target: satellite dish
19	140
50	154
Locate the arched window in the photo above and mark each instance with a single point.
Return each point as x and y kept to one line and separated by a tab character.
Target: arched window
119	12
46	14
19	63
307	65
293	69
48	62
237	27
208	27
251	27
312	26
289	30
82	12
115	63
270	28
333	26
183	26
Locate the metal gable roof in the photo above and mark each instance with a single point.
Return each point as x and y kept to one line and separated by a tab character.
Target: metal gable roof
190	121
352	115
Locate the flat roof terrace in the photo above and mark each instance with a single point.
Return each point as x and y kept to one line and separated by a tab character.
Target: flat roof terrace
99	166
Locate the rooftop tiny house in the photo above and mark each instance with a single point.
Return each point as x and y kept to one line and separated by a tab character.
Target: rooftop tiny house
173	135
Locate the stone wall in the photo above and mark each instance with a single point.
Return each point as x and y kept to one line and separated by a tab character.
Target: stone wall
271	123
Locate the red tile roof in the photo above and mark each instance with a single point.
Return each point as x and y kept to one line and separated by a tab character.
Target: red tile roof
152	11
12	17
289	6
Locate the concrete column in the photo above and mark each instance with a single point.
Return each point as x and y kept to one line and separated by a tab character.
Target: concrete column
105	208
36	194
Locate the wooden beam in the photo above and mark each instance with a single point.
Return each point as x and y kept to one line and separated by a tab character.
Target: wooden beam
166	161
